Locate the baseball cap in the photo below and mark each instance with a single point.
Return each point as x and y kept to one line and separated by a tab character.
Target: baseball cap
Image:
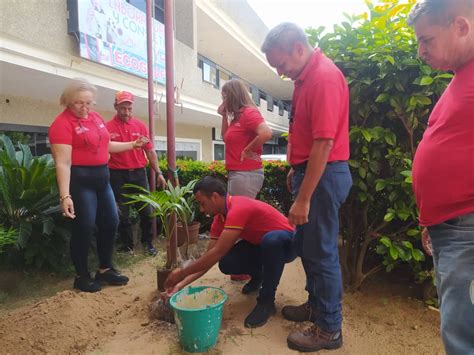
124	96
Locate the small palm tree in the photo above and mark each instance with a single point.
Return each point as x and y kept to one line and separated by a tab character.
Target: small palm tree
166	204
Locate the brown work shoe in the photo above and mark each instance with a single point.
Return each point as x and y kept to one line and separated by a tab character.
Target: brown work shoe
313	339
301	313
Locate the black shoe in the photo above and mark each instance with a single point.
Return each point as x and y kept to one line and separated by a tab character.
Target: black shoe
111	277
260	315
149	249
86	284
252	286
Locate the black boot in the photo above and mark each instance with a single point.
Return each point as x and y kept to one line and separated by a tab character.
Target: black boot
260	314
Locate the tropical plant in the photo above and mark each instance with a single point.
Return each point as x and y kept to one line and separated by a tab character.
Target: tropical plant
169	205
7	237
29	202
391	94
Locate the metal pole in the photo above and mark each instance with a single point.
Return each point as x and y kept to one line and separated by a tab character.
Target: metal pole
151	111
170	131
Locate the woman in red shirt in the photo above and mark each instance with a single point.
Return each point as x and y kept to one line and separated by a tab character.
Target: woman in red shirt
80	145
244	131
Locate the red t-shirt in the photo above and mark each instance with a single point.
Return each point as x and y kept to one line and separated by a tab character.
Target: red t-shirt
240	133
125	132
88	137
320	110
254	218
443	168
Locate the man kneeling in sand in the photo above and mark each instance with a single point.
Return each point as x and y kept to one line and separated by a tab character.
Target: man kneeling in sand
265	246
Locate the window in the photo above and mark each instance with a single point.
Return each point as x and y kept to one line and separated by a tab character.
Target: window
35	137
218	151
269	103
159	11
217	134
223	78
209	73
186	148
255	95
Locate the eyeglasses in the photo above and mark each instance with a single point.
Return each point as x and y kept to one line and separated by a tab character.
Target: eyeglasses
82	103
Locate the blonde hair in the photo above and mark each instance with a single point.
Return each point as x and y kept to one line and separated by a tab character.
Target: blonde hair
76	85
236	97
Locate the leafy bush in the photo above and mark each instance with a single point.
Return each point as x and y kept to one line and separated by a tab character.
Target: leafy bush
29	204
391	95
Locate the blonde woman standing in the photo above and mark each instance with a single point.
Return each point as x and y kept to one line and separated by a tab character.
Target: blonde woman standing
80	145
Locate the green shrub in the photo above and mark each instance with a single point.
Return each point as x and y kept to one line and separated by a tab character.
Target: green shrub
391	95
29	204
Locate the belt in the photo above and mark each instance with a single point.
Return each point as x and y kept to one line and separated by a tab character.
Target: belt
303	165
123	170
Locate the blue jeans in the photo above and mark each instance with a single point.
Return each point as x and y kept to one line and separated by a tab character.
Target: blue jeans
94	205
266	261
316	243
453	256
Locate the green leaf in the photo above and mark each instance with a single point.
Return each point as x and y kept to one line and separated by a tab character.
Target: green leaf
386	241
393	252
418	255
382	97
380	185
362	172
389	217
368	137
413	232
426	80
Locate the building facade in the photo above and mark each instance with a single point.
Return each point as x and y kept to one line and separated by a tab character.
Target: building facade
215	40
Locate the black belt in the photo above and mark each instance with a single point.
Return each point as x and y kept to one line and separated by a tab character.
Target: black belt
127	170
303	165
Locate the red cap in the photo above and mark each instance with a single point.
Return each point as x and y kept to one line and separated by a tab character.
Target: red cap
124	96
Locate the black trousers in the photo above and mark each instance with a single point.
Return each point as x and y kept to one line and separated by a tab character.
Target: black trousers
95	214
118	178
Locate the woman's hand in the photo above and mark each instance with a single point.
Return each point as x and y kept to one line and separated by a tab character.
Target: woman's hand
221	110
140	142
248	154
67	206
426	241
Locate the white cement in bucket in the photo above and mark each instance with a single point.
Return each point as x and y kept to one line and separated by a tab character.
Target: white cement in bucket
201	299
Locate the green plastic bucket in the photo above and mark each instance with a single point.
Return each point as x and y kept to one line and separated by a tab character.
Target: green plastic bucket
198	316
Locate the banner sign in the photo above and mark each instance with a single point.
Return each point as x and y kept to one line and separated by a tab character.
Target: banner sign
113	32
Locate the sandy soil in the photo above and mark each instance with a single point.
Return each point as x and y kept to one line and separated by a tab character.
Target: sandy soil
116	321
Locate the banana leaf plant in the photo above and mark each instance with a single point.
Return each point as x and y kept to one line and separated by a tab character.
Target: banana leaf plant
167	204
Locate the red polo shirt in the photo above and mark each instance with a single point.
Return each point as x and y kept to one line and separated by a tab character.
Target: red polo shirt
320	109
125	132
254	218
240	133
88	137
443	168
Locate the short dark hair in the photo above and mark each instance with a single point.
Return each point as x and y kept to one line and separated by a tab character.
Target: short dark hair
440	11
208	185
284	36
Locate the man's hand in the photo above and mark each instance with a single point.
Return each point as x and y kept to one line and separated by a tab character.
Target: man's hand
172	290
289	180
174	277
426	241
160	180
298	213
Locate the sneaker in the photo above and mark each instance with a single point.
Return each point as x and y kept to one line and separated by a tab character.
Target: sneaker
241	277
260	315
301	313
86	284
313	339
149	249
111	277
252	286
